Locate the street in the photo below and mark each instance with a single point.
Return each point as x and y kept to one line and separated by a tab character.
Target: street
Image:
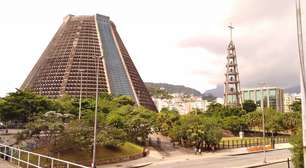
279	165
228	161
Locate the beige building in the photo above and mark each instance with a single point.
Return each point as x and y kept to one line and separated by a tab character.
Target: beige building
289	99
265	97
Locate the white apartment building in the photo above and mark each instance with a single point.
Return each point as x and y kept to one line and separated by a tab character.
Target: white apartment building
182	103
289	99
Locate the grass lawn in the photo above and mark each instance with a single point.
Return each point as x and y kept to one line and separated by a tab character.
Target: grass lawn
103	153
76	156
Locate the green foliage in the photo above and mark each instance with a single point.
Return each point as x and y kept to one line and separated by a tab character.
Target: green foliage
232	111
23	105
139	123
220	111
196	111
118	121
50	123
213	134
165	120
296	106
291	121
273	120
79	135
297	150
123	101
159	93
67	104
215	109
249	106
196	130
234	124
253	119
173	88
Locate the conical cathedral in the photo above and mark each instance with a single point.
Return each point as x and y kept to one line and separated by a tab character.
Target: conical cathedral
84	49
232	94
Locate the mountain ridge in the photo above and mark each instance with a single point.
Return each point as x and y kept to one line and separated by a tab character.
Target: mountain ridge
171	88
217	92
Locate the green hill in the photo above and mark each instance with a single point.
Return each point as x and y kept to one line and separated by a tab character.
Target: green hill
158	89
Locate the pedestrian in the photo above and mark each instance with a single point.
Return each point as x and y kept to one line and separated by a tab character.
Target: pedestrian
195	150
144	152
273	143
200	151
158	142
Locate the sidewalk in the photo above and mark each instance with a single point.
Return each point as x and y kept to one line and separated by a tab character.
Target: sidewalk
5	164
274	162
182	154
243	151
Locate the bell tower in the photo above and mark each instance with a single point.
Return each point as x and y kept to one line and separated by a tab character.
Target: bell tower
232	94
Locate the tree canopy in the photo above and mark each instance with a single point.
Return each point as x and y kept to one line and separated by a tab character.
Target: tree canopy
249	106
296	106
23	105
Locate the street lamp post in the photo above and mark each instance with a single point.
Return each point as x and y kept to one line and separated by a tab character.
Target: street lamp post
81	89
96	111
302	72
263	123
264	136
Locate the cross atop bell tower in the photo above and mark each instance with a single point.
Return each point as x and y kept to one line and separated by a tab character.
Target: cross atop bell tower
231	31
232	94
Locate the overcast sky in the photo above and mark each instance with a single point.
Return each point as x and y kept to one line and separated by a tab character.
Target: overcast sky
174	41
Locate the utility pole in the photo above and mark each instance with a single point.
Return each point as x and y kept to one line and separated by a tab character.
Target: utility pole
93	165
302	72
81	89
263	121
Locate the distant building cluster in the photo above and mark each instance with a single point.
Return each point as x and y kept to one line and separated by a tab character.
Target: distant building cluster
182	103
263	97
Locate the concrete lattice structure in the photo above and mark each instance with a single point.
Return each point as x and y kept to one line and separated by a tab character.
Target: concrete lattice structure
232	94
70	61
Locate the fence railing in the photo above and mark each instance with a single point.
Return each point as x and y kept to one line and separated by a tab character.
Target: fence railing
239	143
26	159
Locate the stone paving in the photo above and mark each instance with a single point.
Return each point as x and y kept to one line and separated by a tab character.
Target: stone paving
5	164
